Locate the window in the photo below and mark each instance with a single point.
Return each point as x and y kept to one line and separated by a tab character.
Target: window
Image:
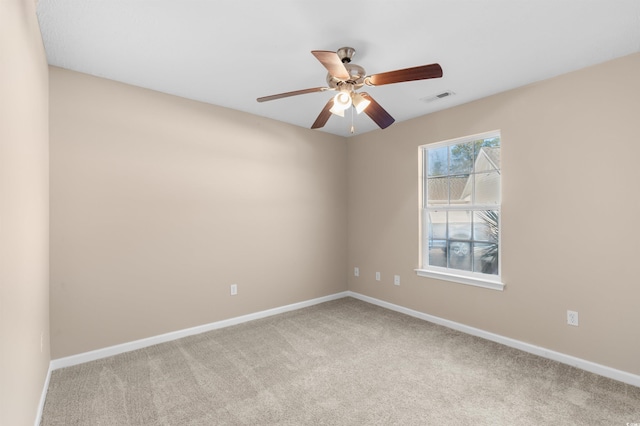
460	210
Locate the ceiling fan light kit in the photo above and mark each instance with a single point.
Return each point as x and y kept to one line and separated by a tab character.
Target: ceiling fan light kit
360	102
342	100
336	111
346	78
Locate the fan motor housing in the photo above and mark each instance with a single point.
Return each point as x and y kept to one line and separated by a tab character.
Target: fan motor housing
356	72
356	79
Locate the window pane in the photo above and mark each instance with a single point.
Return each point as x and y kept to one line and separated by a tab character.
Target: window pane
461	158
460	225
437	162
459	255
485	258
461	186
488	188
438	253
438	225
485	226
438	191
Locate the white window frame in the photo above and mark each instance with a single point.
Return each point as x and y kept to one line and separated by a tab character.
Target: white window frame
478	279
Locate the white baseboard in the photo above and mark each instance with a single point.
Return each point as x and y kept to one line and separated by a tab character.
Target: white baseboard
162	338
592	367
43	396
582	364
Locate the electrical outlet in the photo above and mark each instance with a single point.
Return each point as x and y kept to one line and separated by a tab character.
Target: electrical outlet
234	289
396	279
572	318
356	272
377	276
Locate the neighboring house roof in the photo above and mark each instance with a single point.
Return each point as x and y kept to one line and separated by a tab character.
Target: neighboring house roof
439	188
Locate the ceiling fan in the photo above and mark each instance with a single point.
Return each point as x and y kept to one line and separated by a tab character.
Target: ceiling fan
346	78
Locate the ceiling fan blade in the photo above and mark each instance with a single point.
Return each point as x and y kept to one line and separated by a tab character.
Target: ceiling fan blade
294	93
324	116
332	63
377	113
422	72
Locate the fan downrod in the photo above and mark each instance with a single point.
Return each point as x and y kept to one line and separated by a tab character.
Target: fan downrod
345	54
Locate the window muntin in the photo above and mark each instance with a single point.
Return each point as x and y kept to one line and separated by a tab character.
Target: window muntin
461	184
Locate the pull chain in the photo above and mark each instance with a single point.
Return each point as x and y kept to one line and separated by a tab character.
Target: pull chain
353	129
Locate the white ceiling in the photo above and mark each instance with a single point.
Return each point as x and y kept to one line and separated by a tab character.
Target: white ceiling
229	52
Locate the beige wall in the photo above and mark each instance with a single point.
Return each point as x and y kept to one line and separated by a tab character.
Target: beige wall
569	219
24	221
159	203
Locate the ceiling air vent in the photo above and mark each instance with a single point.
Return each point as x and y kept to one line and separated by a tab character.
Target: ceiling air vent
438	96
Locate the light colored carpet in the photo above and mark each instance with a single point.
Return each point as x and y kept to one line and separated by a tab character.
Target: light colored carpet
344	362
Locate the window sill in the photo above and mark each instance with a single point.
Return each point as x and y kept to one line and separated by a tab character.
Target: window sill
461	279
